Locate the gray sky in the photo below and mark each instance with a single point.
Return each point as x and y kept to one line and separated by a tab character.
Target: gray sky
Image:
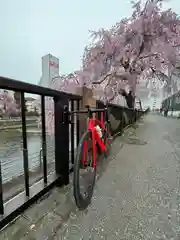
31	29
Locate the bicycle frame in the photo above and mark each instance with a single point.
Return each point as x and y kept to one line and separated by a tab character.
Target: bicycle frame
92	128
95	139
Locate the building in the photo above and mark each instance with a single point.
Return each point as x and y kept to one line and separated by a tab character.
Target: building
50	70
172	102
30	104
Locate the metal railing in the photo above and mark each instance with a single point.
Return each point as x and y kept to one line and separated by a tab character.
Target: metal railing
10	209
66	139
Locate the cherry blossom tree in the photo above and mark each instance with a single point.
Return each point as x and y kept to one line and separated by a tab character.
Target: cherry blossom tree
67	83
135	49
8	106
140	48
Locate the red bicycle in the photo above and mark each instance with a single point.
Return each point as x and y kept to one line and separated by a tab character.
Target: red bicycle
95	141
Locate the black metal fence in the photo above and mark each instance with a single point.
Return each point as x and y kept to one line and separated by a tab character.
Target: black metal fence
65	133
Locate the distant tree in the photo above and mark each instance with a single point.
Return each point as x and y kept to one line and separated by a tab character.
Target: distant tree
8	105
17	97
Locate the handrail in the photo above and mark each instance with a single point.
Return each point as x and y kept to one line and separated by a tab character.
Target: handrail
19	86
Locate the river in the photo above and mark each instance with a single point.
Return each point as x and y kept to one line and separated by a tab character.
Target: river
11	154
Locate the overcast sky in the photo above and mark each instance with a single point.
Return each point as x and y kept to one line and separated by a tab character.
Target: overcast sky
31	29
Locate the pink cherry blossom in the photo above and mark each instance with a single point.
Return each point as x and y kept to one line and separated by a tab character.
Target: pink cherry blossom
147	40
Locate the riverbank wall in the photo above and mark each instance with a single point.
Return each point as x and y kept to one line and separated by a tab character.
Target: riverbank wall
8	124
16	184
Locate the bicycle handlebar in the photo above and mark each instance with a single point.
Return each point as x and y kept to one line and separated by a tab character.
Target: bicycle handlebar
89	110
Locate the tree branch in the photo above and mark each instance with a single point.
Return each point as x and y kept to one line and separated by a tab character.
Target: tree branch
102	80
146	56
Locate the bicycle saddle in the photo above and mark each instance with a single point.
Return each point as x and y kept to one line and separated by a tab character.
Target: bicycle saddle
87	106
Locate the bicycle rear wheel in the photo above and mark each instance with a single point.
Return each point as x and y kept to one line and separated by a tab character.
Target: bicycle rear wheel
107	138
83	165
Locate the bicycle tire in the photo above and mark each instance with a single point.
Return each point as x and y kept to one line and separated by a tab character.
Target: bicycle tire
81	202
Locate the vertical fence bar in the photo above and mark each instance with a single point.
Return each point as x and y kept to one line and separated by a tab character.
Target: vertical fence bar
72	133
98	105
44	147
1	193
40	158
61	141
135	115
140	103
77	124
131	116
134	118
25	150
122	120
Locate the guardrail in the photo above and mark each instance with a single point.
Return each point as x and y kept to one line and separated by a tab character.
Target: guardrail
64	152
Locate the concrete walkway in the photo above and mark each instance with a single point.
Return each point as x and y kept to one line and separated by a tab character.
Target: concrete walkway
138	197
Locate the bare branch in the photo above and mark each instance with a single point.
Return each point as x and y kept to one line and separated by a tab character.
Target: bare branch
146	56
103	79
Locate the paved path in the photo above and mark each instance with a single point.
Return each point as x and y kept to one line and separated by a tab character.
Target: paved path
138	197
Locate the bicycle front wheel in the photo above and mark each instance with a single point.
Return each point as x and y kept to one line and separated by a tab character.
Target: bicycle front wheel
84	172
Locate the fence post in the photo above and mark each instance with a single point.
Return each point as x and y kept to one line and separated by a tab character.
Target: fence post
61	141
133	115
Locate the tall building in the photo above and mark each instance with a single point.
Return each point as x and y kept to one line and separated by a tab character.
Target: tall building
50	69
